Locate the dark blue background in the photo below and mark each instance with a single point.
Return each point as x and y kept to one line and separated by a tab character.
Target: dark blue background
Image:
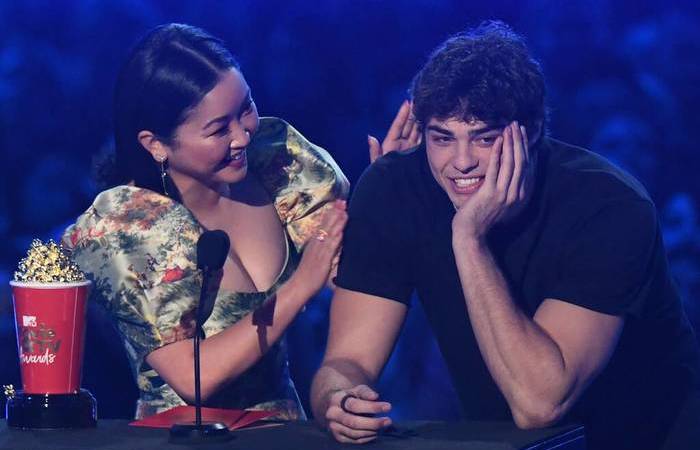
623	79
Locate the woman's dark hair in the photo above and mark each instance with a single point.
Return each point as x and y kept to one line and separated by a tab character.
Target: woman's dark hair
485	74
166	75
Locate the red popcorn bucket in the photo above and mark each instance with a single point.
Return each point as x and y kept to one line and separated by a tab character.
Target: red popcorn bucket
50	324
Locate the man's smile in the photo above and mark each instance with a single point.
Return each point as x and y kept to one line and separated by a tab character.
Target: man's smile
466	185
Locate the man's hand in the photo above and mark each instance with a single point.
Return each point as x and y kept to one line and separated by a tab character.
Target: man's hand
350	415
349	365
403	134
506	189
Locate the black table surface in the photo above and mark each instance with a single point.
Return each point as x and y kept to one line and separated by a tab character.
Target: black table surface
117	434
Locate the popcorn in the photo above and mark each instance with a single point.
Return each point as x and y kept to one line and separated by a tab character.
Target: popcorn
48	263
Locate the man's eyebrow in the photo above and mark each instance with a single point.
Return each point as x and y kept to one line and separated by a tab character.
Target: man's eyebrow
440	130
487	129
474	132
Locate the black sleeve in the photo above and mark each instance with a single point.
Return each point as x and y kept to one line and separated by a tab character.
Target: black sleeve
374	258
609	259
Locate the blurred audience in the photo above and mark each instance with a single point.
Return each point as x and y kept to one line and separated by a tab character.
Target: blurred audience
624	82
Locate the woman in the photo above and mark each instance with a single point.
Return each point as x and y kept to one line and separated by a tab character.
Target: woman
192	155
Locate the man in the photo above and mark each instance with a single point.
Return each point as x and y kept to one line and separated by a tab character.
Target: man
540	266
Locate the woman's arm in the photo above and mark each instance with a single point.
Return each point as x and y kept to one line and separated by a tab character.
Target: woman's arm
228	354
404	133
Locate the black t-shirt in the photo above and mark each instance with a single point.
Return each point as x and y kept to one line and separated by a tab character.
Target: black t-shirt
589	236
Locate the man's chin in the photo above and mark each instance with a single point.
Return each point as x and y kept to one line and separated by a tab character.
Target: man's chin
459	200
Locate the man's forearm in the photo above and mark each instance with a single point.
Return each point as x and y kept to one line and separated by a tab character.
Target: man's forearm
334	375
525	362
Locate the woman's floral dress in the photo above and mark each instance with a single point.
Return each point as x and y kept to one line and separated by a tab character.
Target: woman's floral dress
139	249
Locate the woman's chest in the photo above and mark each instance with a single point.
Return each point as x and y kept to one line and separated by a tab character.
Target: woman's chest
258	250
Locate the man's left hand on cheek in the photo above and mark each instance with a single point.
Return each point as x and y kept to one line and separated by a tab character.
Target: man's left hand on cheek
506	188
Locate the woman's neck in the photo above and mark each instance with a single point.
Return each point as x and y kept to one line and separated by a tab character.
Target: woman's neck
197	196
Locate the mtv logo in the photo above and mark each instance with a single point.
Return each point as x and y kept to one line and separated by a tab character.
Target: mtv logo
29	321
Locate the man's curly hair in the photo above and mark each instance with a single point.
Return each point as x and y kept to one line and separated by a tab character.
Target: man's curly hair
484	74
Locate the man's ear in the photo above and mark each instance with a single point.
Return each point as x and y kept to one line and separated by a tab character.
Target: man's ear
153	145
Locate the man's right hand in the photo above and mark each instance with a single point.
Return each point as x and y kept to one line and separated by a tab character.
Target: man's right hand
354	421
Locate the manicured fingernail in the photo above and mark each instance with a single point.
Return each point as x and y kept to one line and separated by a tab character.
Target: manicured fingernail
522	129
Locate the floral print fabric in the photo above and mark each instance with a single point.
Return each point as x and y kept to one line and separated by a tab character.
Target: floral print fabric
139	249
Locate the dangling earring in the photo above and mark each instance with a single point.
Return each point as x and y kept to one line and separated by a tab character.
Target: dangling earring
162	159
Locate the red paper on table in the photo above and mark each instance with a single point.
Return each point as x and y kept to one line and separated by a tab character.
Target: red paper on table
232	418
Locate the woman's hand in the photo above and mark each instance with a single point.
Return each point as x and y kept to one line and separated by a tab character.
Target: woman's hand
506	189
403	134
321	251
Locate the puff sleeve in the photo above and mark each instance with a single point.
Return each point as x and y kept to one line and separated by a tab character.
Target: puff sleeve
138	249
301	177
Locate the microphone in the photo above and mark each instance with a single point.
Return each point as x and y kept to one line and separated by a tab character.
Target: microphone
212	249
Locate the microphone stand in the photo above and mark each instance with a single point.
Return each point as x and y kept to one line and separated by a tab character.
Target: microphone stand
197	380
199	431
